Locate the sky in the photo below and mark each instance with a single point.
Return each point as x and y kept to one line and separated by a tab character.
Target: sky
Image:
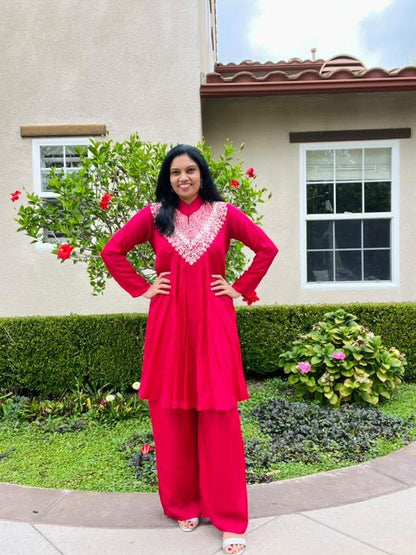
381	33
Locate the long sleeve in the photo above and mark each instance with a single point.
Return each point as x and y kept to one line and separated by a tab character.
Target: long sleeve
137	230
246	231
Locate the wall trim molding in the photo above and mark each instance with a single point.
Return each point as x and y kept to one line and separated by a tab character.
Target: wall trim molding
350	135
70	130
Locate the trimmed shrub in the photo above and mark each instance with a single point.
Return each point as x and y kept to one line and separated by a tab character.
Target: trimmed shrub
47	355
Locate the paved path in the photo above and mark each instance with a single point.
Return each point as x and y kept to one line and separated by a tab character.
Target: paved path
369	509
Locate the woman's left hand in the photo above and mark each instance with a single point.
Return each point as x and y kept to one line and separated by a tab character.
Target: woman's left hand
221	287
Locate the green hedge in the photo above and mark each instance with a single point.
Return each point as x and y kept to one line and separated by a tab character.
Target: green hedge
48	354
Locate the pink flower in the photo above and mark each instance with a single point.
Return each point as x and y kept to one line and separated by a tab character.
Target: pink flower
15	196
146	448
338	355
234	183
64	251
251	298
304	367
105	201
251	172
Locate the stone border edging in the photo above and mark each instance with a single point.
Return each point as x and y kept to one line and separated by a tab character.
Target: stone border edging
375	478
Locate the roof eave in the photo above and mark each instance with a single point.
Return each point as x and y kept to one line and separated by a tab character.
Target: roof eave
287	88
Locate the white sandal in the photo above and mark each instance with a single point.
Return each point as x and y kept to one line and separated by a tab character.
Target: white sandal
234	541
192	521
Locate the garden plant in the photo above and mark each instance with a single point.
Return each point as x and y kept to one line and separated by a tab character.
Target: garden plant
102	439
340	361
114	181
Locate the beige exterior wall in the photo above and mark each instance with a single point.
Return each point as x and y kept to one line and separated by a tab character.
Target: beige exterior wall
132	65
264	125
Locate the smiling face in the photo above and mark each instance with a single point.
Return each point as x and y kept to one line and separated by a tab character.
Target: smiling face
185	178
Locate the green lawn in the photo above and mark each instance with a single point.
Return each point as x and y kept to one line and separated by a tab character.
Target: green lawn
91	459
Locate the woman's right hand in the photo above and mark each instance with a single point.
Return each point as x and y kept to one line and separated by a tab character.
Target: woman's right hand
161	286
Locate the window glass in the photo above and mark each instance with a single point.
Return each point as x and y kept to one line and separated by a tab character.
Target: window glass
348	164
320	198
72	157
349	197
377	164
52	156
377	265
348	234
377	195
319	235
348	265
319	165
376	233
320	266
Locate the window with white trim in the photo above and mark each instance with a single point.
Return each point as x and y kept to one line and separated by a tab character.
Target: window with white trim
59	153
349	220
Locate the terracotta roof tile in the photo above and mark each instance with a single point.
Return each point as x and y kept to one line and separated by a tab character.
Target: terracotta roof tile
339	74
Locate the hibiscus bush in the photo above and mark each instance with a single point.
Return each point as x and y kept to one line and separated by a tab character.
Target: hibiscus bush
340	361
113	182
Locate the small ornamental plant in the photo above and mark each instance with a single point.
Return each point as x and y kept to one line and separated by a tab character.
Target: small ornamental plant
340	361
114	181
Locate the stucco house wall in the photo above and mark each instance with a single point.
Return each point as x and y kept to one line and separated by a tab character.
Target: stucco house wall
131	65
264	125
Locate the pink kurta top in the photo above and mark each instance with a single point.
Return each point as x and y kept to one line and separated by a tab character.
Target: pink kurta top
192	356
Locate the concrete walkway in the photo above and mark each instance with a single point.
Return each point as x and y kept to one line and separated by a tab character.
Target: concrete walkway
369	509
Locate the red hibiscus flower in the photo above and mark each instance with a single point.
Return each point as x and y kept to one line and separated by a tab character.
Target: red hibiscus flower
64	251
15	196
146	448
105	201
234	183
251	172
251	298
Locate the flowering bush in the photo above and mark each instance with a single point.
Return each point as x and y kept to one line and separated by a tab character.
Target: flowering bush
340	361
114	181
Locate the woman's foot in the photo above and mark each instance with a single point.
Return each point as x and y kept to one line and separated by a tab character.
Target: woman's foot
234	547
188	525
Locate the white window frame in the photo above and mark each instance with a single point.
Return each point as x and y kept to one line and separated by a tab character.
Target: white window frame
37	171
393	215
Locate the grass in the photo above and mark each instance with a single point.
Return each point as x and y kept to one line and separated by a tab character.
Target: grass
91	459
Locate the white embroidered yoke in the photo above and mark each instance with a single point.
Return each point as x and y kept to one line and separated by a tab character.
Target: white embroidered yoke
195	233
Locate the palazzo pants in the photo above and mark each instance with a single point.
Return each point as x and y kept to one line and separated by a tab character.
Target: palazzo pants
201	465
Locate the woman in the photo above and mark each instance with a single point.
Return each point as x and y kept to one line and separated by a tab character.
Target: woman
192	372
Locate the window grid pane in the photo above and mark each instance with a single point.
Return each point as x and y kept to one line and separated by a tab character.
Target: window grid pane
336	250
63	157
361	185
360	180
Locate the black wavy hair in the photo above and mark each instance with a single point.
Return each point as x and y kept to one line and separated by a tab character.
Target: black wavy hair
169	200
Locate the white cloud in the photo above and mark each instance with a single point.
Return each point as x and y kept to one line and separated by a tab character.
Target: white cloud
289	29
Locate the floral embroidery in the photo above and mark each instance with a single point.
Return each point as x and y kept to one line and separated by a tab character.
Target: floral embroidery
193	235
